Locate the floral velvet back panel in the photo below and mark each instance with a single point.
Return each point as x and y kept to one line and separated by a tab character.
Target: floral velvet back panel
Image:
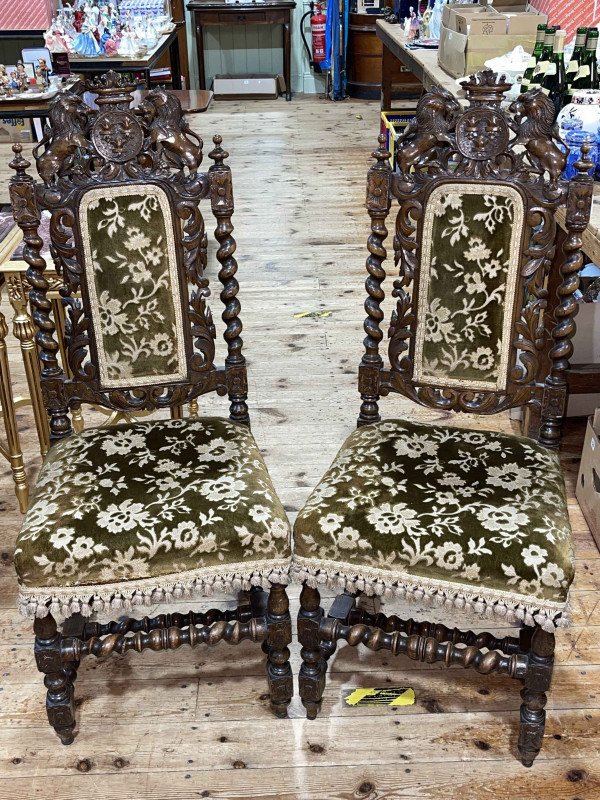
471	248
133	284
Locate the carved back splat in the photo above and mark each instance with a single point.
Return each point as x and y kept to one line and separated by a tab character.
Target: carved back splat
482	152
115	152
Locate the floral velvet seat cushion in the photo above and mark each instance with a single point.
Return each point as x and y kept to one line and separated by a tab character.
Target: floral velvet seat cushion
473	519
150	511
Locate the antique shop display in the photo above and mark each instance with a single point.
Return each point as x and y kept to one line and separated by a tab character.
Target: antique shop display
105	29
465	520
194	506
31	82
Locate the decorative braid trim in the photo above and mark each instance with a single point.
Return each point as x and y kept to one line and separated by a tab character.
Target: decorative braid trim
512	607
86	600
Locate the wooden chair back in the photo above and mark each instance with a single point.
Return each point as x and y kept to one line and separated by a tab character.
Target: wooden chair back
474	242
123	189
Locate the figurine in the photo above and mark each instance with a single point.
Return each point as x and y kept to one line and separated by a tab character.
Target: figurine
13	82
425	23
413	26
22	77
85	44
435	25
42	73
3	76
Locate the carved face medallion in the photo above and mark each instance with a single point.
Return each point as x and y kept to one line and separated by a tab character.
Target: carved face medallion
117	135
481	134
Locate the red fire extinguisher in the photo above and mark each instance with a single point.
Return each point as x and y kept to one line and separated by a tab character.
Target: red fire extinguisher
317	27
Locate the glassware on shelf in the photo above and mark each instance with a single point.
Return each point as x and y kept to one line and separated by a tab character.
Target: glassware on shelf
574	140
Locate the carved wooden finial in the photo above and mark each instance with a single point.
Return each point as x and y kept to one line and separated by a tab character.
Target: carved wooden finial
486	87
583	163
111	90
19	163
382	154
218	155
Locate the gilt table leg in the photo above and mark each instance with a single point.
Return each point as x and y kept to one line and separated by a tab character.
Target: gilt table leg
24	331
15	456
58	312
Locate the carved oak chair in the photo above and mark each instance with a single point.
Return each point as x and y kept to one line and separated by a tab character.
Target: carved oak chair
153	511
447	516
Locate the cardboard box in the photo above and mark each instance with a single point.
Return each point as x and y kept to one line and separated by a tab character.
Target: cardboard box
587	490
246	87
15	130
481	24
522	17
471	35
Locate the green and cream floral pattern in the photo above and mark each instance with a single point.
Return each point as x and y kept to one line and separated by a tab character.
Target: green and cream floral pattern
470	513
152	503
131	268
471	255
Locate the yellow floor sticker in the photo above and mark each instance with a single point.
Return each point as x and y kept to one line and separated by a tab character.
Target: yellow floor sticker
313	314
388	696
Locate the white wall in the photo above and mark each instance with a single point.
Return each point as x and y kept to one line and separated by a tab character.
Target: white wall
241	49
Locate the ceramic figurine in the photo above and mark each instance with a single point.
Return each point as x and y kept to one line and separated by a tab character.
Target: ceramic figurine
435	25
85	44
425	23
42	73
22	77
413	25
3	76
13	82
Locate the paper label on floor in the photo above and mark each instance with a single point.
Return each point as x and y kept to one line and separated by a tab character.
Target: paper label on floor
387	696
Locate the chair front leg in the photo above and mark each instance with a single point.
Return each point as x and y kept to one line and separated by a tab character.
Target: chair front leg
537	682
279	670
311	679
59	676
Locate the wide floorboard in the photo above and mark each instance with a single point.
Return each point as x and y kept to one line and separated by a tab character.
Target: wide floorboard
196	724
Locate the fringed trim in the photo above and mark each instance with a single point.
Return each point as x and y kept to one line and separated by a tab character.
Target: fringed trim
108	598
513	608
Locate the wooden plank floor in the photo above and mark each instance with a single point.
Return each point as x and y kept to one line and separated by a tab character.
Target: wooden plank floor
195	724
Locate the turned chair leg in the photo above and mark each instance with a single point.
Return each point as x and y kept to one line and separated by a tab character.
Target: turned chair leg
537	682
279	670
60	703
311	679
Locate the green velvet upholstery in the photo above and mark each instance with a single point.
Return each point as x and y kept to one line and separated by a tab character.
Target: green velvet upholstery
151	509
471	255
131	269
476	518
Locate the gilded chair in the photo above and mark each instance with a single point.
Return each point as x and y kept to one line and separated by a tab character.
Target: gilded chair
450	517
157	510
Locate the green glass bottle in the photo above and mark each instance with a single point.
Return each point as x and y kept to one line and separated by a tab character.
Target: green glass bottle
535	57
587	74
540	67
554	82
577	55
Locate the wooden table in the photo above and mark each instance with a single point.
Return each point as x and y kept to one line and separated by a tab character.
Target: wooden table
422	63
217	12
27	108
142	64
581	378
193	101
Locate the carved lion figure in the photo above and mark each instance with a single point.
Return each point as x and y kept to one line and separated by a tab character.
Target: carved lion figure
534	114
68	120
167	126
434	117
